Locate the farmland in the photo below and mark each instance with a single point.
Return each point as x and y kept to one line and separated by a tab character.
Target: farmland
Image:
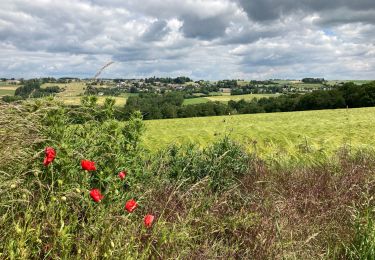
73	91
6	89
225	98
272	135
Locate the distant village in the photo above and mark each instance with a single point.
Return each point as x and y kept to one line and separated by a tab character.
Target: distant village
105	86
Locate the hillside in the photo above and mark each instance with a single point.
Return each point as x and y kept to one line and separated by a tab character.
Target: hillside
272	134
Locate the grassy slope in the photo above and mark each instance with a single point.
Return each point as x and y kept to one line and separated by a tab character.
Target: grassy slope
226	98
73	92
4	92
275	134
7	89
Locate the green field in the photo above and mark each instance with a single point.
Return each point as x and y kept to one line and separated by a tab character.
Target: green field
226	98
193	101
74	91
7	89
274	134
4	92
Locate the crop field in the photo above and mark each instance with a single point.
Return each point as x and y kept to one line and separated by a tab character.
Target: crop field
193	101
272	135
358	82
226	98
6	89
76	100
73	92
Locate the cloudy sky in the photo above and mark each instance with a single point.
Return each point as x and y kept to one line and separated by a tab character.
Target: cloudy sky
203	39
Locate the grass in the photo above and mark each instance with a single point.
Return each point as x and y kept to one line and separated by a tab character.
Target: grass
274	134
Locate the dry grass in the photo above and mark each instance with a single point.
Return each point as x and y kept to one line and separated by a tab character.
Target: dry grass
303	213
20	129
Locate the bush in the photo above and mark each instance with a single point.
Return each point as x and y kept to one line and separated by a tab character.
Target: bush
223	163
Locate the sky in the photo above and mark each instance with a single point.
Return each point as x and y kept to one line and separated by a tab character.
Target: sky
201	39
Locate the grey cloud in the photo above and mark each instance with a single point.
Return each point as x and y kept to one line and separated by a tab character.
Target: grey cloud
204	28
270	10
156	31
209	39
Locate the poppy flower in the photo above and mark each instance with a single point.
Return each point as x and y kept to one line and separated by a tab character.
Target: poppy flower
122	175
88	165
50	155
130	205
148	220
96	195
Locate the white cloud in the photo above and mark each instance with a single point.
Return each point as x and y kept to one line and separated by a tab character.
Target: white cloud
210	39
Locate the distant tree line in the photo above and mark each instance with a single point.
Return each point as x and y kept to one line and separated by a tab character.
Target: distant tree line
313	80
178	80
170	105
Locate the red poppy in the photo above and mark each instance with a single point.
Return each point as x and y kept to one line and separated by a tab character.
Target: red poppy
96	195
130	205
50	155
88	165
122	175
148	220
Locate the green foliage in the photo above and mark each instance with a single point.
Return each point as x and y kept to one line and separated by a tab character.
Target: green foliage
32	89
10	99
154	106
223	163
363	243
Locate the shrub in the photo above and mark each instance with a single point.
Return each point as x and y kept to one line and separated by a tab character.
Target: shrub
223	163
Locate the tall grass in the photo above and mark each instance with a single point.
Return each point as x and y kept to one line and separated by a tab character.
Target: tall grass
215	203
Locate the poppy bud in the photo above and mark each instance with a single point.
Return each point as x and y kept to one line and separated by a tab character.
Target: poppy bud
148	220
122	175
50	155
